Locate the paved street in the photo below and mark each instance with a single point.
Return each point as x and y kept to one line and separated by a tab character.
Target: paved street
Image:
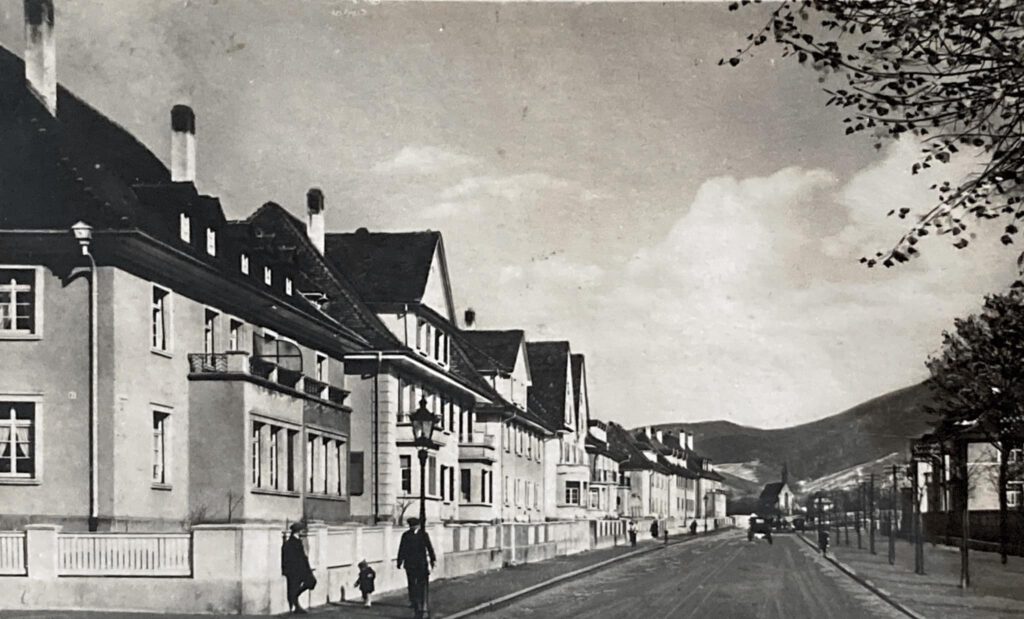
723	576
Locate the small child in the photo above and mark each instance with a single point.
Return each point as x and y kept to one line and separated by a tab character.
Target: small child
365	581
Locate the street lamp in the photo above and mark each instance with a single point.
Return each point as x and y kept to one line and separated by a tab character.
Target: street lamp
423	422
83	234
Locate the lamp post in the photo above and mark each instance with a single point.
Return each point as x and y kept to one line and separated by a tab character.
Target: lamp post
83	234
423	422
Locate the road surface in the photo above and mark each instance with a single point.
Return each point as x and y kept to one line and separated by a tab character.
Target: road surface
724	577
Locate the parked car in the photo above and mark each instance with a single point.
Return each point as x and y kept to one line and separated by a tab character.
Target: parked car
760	528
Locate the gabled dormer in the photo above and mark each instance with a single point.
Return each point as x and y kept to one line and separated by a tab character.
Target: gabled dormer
403	277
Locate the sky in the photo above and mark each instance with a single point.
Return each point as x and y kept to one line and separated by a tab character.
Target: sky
693	229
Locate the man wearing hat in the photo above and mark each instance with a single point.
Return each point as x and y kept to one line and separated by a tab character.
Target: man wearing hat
295	567
414	552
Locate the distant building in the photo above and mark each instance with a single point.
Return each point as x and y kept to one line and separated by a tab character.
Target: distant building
777	498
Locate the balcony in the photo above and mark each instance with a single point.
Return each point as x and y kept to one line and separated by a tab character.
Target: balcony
240	365
477	447
405	439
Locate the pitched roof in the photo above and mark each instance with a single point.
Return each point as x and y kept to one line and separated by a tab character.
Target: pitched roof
770	493
386	267
549	363
501	349
623	441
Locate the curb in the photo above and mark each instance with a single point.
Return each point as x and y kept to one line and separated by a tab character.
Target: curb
867	584
569	575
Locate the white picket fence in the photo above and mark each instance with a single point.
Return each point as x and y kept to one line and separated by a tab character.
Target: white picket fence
12	553
124	554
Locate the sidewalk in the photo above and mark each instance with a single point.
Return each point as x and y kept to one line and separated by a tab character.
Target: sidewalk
446	596
996	590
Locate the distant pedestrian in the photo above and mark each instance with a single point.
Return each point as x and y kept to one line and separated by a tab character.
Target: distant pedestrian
295	568
693	528
632	532
365	581
654	529
823	540
414	553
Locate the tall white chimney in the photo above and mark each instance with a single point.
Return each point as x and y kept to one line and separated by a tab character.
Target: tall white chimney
315	218
689	441
660	435
41	52
183	144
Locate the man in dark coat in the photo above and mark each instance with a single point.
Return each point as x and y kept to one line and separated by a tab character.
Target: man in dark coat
654	529
295	567
416	555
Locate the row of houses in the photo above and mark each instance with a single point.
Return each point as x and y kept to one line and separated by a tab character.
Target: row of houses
169	366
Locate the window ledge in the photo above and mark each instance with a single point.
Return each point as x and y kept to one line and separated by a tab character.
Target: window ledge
20	336
163	353
163	487
327	497
20	481
272	492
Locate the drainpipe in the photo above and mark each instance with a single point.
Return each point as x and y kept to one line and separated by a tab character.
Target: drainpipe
94	508
83	234
376	437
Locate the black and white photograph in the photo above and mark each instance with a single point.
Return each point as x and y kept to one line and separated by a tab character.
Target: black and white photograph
530	309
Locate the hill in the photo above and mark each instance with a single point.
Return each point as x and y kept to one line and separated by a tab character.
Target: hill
867	432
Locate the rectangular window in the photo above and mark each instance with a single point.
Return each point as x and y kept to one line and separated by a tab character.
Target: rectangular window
507	437
321	368
256	453
518	484
1014	494
572	493
17	439
438	338
211	241
243	263
405	463
290	464
421	332
18	304
268	276
451	483
288	286
311	461
272	460
234	335
465	483
506	491
160	423
432	475
355	473
322	461
209	331
403	400
160	319
444	482
185	227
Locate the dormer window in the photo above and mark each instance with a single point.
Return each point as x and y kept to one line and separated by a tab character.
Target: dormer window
268	276
211	241
243	263
288	286
185	228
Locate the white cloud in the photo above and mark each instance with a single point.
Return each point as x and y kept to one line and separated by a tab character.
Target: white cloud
420	160
746	310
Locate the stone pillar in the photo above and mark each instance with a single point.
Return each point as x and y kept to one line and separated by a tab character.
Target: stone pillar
316	533
41	558
244	559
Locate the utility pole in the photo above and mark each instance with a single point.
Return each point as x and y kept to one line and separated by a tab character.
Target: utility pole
871	513
965	517
857	512
892	519
915	523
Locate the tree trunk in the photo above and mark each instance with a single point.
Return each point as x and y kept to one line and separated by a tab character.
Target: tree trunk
965	514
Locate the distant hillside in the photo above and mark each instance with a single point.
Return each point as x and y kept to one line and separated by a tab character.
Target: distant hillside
847	478
864	433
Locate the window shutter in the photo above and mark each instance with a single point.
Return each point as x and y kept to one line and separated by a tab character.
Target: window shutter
355	473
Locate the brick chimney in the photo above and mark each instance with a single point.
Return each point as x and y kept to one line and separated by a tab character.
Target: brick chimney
315	218
183	144
41	52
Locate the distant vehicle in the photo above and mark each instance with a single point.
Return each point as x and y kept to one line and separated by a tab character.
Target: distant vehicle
760	528
799	525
